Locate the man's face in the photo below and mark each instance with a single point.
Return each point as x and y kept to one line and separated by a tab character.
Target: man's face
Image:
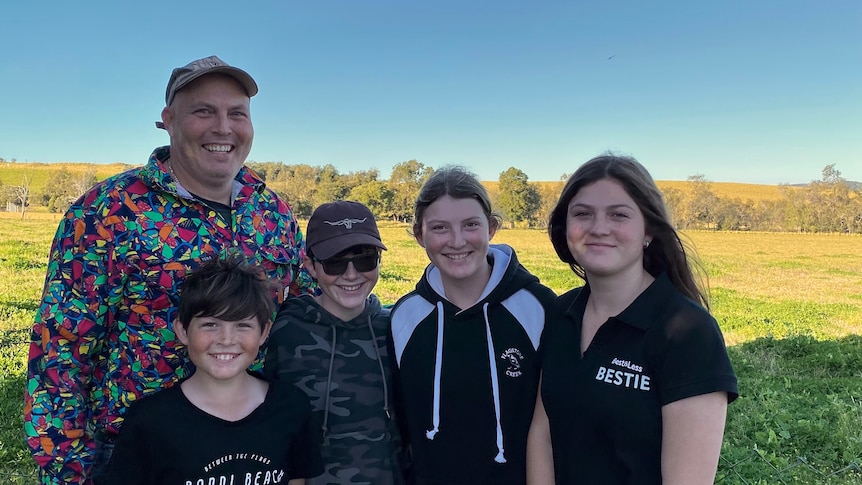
211	133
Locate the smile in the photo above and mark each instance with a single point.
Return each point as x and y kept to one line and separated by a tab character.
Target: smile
350	288
458	256
225	356
218	148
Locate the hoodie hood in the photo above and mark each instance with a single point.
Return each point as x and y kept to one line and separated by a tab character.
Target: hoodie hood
507	277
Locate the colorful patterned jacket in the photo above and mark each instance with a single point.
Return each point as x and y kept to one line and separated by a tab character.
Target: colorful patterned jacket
103	336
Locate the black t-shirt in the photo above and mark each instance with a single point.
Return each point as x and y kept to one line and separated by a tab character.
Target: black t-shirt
604	409
166	440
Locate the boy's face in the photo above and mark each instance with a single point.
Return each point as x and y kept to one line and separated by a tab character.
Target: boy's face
344	295
222	350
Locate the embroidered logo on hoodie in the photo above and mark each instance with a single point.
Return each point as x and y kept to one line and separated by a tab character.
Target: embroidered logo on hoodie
513	357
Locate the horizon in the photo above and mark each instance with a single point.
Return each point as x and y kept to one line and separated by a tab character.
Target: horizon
764	93
495	180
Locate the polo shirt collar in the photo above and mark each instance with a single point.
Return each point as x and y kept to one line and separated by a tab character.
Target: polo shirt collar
649	305
641	313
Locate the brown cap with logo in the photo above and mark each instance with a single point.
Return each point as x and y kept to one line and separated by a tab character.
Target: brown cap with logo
337	226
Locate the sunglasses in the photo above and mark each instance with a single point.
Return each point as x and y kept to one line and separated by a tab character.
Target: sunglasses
361	263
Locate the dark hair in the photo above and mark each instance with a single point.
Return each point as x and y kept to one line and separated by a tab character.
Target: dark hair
228	287
666	251
458	183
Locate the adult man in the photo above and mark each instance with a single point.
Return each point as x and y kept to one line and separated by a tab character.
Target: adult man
103	336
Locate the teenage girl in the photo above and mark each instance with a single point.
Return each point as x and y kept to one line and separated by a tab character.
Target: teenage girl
465	341
635	375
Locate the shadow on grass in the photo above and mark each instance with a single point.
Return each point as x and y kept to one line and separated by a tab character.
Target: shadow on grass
798	416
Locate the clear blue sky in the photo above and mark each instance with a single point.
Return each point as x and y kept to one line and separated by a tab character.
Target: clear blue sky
766	91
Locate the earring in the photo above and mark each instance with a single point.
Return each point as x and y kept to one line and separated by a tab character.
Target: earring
646	243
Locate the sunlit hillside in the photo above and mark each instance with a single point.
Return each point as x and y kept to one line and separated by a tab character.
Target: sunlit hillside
732	190
725	190
12	173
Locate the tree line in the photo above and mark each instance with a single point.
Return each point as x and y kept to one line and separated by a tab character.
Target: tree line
830	204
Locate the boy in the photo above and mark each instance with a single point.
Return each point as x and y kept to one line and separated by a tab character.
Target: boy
223	425
333	347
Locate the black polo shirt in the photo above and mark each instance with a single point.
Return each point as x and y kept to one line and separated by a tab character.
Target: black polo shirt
605	408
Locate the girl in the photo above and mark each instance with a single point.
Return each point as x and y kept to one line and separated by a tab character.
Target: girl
635	375
465	341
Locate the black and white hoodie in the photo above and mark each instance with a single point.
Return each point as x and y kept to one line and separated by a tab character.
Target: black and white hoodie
467	379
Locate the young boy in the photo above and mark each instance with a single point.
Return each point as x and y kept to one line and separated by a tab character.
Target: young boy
223	425
333	347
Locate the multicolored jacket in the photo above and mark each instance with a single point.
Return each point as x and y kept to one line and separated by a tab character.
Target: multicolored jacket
103	336
344	367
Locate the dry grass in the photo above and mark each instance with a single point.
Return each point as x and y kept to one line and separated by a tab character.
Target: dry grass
731	190
815	268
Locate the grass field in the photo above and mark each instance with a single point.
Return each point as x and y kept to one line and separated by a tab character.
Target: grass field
38	173
13	174
790	306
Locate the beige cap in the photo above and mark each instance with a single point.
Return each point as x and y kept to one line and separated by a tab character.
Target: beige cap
182	76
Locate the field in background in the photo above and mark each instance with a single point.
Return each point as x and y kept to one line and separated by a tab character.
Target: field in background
13	173
790	306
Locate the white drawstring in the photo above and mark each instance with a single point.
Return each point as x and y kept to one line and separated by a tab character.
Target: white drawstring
438	365
495	386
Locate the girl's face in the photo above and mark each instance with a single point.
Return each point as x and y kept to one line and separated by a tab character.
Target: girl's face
455	234
605	229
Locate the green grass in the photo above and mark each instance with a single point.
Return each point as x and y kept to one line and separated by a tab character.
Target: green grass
788	304
38	173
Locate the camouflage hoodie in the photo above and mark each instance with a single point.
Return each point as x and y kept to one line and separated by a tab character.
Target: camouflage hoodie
344	368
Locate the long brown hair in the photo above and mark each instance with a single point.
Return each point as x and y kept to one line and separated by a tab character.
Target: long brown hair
666	252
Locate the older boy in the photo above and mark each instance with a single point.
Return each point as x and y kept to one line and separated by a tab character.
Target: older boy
222	425
333	347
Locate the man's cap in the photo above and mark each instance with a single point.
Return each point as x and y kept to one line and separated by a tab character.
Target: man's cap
337	226
182	76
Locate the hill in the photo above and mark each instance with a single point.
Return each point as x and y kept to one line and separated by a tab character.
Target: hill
725	190
12	173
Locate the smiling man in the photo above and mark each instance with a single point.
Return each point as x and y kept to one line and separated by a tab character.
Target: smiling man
103	336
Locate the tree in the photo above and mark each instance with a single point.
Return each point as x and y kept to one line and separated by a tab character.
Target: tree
406	180
296	183
376	195
355	179
519	200
81	183
328	186
733	214
674	199
831	203
22	193
700	203
63	187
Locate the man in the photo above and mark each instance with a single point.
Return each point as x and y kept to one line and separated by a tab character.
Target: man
103	336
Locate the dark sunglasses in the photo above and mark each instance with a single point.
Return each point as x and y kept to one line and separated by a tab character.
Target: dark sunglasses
361	263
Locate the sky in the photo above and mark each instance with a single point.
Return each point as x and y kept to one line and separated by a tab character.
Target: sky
766	91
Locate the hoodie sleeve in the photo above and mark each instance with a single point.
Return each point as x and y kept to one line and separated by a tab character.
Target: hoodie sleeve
69	330
405	453
276	346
